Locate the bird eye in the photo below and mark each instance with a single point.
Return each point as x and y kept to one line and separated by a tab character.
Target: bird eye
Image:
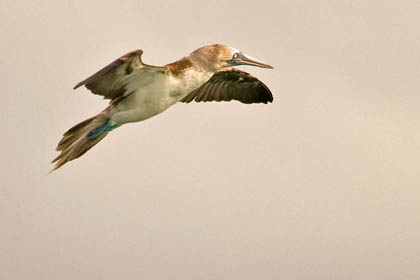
235	55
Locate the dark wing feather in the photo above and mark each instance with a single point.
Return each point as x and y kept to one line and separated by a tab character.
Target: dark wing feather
111	81
231	84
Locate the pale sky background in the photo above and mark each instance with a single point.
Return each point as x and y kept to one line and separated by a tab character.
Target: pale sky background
322	184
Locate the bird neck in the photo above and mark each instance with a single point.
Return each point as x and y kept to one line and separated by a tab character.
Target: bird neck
180	66
187	65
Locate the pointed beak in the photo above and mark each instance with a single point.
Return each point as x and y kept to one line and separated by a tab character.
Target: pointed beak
243	59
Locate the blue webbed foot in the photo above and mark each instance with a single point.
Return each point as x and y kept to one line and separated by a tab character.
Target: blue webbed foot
101	129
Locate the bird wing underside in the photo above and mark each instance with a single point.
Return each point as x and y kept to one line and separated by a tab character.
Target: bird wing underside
116	79
231	84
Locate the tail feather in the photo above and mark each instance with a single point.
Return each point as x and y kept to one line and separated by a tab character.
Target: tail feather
75	141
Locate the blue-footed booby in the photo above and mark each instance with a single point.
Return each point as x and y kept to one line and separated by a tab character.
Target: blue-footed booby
138	91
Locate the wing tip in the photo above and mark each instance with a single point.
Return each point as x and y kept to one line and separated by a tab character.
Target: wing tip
270	98
78	85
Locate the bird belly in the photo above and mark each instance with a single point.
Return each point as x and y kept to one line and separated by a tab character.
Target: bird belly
145	103
154	98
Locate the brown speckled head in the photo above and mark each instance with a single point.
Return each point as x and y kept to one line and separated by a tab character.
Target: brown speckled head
213	56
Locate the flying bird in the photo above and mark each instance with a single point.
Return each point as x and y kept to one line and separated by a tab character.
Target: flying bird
138	91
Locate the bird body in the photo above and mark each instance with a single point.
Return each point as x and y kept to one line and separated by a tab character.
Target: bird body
139	91
157	93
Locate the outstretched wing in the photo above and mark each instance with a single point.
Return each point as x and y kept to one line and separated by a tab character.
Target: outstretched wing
231	84
121	77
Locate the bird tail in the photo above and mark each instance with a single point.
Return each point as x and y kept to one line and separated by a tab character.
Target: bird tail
81	137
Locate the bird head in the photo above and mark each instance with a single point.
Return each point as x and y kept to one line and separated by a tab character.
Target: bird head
218	56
